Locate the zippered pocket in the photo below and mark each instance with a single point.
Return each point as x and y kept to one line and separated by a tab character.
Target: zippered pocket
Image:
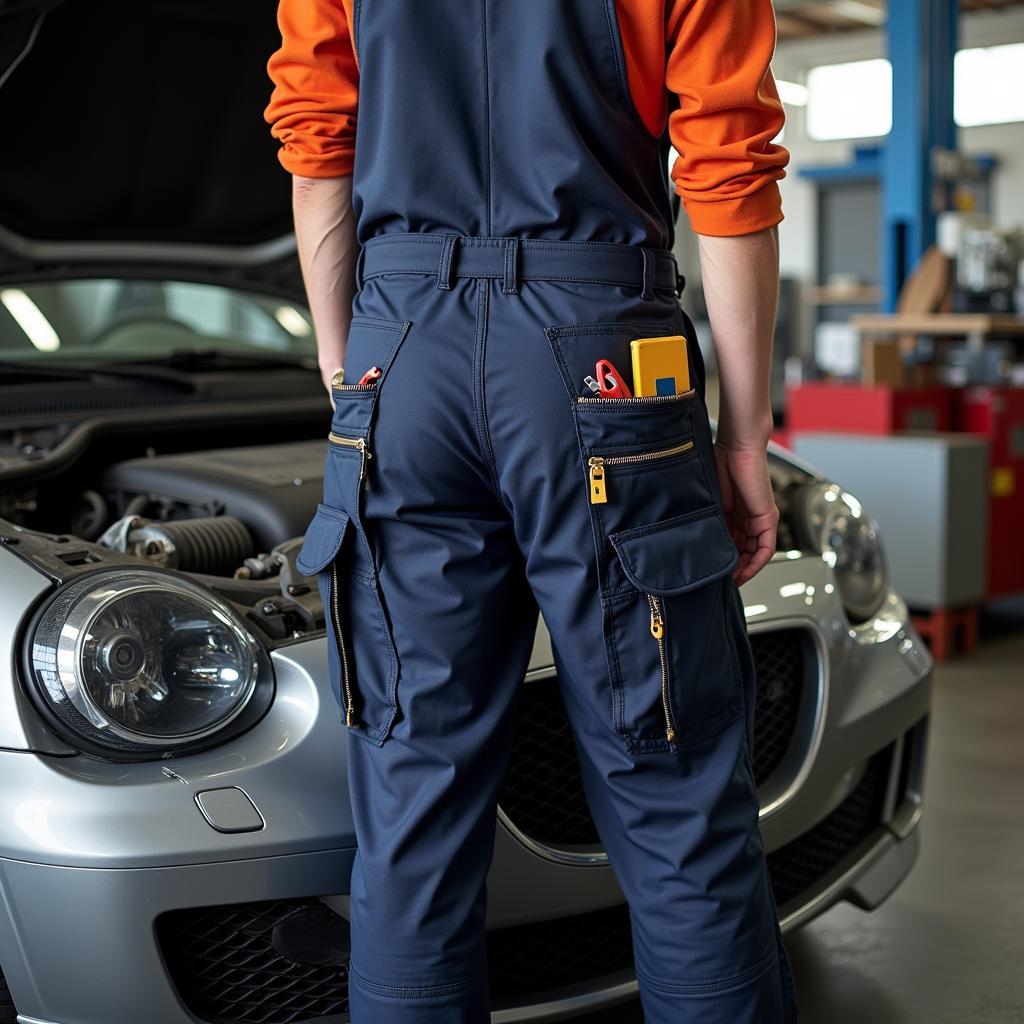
668	632
362	661
358	443
334	617
598	464
659	626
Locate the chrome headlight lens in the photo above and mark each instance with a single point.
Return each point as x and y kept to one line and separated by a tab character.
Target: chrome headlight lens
834	524
143	661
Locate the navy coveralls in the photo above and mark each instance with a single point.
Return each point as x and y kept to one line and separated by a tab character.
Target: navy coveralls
515	223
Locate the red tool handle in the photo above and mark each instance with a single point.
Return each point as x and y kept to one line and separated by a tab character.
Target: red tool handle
372	374
612	384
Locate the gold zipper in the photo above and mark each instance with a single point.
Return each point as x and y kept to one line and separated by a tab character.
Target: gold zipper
658	627
353	442
346	682
338	383
636	399
597	463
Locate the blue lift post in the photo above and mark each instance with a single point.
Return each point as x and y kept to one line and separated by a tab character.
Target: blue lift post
922	38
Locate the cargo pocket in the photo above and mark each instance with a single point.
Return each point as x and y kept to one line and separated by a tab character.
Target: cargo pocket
362	659
674	675
339	546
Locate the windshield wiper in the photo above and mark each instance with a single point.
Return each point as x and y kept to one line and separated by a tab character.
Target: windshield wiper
122	371
212	358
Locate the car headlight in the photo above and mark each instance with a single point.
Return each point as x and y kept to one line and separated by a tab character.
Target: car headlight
143	662
834	524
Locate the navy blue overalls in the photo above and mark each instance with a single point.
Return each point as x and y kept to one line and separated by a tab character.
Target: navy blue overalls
515	224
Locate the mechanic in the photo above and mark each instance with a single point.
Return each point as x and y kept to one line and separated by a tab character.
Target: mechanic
482	209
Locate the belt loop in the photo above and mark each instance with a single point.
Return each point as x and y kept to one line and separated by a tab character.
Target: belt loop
445	266
359	267
510	282
648	280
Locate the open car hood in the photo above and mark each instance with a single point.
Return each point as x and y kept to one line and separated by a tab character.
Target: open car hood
134	139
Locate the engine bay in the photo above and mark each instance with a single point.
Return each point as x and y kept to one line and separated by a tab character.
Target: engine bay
231	518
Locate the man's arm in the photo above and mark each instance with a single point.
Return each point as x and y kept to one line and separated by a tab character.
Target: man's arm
312	111
741	278
718	64
325	235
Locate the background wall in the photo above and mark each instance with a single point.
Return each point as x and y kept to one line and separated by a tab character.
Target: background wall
797	233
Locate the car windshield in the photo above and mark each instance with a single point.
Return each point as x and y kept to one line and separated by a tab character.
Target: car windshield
119	319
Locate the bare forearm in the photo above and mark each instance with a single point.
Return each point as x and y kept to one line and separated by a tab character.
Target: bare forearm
326	239
741	280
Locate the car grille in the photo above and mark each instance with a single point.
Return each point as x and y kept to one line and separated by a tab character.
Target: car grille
800	865
542	793
223	961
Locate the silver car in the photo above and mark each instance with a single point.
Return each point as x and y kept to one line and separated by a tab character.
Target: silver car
175	838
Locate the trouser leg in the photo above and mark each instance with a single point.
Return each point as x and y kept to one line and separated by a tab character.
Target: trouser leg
463	619
678	817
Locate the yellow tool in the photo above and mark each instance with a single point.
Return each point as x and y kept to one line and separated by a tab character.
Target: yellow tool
660	366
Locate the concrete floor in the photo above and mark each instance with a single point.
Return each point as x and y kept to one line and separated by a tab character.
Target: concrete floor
947	947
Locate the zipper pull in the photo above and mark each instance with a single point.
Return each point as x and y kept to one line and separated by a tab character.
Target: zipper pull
350	718
364	455
598	495
657	622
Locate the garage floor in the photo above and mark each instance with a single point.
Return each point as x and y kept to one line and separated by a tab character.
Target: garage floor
946	947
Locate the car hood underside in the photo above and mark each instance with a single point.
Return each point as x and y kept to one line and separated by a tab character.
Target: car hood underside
137	123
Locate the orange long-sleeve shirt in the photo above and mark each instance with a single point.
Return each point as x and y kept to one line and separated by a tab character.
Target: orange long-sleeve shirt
713	54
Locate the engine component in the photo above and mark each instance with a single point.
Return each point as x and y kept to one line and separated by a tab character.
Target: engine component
259	567
273	489
215	546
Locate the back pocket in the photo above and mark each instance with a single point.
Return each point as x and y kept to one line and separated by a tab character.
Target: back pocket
668	631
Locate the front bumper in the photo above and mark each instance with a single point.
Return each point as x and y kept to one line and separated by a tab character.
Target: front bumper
96	859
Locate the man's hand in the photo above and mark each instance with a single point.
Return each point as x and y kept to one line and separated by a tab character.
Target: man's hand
749	506
326	241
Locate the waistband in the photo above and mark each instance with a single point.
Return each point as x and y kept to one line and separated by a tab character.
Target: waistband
513	260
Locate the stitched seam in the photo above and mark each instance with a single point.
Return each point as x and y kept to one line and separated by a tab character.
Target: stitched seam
664	524
713	987
415	991
479	400
379	322
487	115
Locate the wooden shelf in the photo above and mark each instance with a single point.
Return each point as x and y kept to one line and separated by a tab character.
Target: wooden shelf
867	295
948	324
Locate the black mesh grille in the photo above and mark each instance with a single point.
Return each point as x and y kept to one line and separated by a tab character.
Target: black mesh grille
543	793
801	864
223	960
781	658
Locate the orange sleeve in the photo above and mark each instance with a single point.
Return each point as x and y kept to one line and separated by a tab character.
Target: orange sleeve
312	108
718	64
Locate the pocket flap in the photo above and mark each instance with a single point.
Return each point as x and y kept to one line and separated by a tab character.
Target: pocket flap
323	539
677	554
